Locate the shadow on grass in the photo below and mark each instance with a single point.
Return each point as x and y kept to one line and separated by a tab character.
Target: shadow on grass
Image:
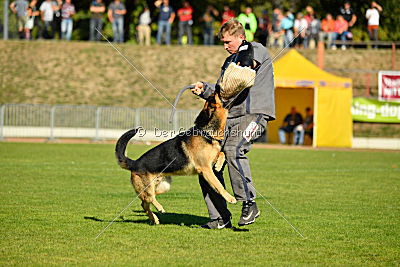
165	218
180	219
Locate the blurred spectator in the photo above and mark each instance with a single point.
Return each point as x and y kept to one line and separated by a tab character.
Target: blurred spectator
249	22
96	21
276	36
373	21
29	23
47	9
67	11
305	128
116	12
227	14
300	26
341	27
287	26
289	124
314	29
143	28
348	14
264	27
20	9
165	19
57	18
208	27
307	17
36	19
327	30
185	22
309	12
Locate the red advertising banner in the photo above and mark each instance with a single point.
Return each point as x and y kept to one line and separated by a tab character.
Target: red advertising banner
389	85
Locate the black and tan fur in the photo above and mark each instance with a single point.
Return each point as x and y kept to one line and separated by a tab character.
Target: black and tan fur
186	154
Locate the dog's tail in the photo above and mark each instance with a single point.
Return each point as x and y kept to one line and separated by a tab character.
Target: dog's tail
123	161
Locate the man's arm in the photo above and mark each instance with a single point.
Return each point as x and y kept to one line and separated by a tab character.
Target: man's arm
285	121
97	9
12	6
203	89
121	11
171	19
73	10
253	23
158	3
41	13
353	20
377	6
215	12
58	6
109	14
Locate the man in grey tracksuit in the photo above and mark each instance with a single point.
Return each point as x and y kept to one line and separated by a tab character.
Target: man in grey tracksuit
247	119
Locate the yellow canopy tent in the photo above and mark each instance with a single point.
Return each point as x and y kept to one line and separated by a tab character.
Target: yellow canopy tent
301	84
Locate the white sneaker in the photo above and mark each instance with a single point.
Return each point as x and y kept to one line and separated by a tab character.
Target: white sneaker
343	47
334	47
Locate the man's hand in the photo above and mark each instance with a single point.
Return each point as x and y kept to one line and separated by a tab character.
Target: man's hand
12	6
198	88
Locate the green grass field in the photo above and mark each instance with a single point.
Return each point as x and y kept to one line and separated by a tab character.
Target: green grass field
55	199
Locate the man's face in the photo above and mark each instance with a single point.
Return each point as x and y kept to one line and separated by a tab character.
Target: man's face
346	6
231	42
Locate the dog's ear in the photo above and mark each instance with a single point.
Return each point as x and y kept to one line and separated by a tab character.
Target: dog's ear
218	100
206	113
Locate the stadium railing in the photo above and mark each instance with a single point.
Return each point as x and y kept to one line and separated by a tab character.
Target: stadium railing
96	123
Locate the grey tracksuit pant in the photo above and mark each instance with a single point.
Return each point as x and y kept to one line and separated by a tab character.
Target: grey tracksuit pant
240	132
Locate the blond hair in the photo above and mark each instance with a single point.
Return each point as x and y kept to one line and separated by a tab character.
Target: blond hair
232	27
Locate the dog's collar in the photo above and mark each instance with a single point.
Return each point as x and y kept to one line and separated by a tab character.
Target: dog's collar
198	131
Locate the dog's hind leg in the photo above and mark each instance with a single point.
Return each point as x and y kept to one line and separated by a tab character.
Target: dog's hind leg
146	193
158	205
162	185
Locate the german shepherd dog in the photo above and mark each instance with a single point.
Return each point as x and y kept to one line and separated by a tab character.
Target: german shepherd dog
196	151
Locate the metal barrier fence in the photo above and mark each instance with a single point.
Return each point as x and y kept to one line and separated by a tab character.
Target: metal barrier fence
97	123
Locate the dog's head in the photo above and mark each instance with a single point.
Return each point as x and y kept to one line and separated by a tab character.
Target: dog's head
213	116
